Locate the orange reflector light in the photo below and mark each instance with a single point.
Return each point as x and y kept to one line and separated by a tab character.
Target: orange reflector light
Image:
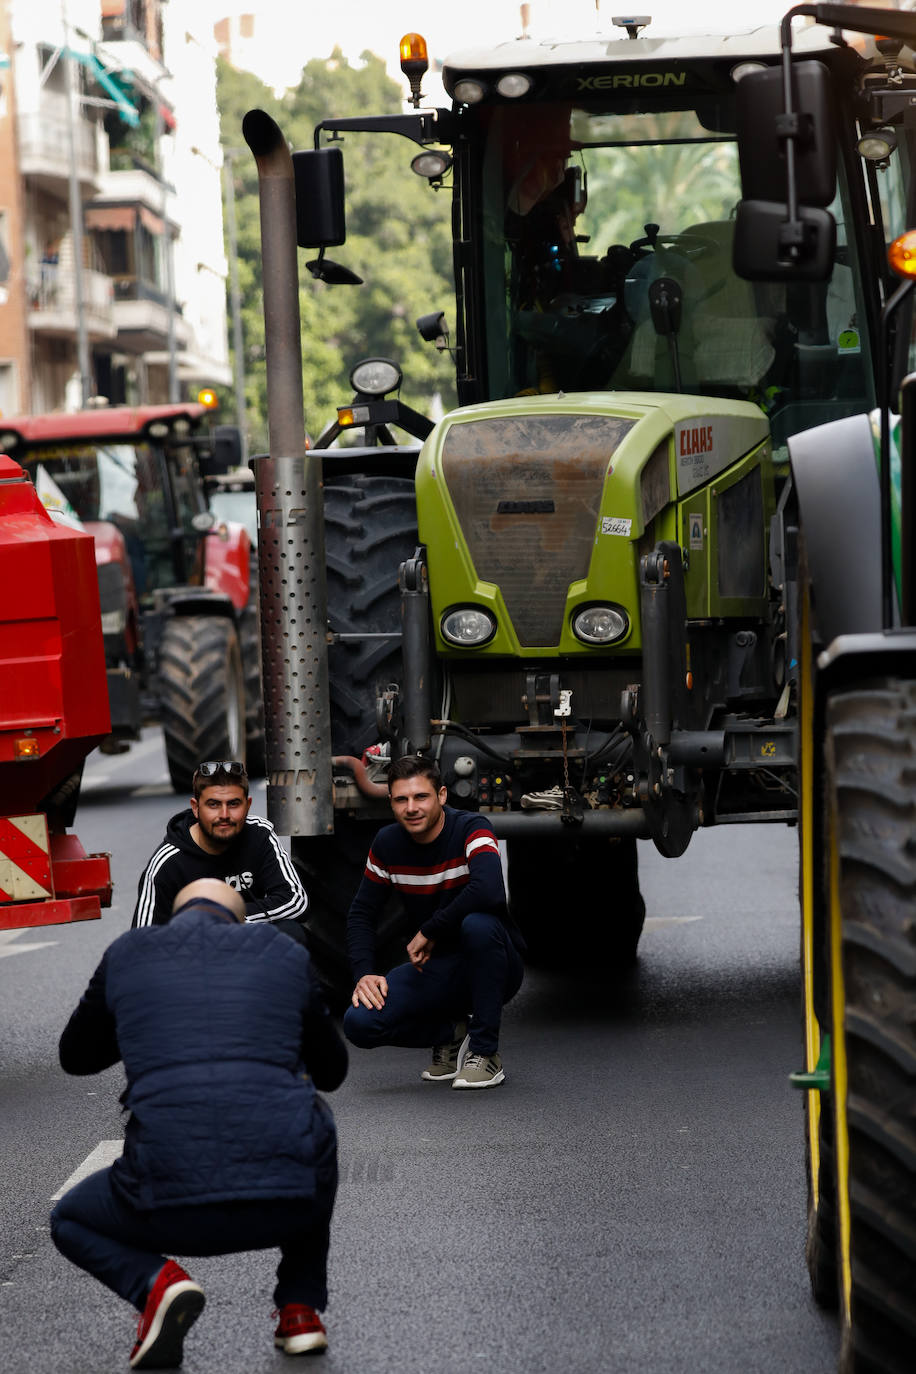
414	53
902	254
344	416
208	398
25	749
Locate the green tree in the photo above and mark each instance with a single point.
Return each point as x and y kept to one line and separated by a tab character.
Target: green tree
398	241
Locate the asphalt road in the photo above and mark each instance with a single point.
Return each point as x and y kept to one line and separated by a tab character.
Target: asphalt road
631	1201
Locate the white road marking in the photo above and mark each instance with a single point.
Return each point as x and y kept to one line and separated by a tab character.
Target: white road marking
104	1154
23	949
654	922
103	769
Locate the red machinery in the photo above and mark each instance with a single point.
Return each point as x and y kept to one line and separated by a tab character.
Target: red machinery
53	710
179	619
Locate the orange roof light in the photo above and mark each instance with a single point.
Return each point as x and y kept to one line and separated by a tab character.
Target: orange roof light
902	254
208	398
414	53
414	63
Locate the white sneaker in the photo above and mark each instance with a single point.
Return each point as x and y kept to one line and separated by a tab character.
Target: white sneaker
480	1071
447	1059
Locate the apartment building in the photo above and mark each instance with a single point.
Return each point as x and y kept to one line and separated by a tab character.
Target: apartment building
110	206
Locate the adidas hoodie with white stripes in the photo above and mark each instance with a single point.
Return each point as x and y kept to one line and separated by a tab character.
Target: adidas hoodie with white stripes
256	865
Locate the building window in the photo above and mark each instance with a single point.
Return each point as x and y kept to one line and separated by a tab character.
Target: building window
9	388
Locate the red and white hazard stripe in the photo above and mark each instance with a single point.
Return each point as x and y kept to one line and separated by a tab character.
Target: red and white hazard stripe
25	859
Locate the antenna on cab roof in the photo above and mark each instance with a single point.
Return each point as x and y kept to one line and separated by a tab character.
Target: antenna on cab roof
632	23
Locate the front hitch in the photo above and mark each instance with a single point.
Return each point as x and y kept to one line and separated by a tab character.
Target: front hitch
656	712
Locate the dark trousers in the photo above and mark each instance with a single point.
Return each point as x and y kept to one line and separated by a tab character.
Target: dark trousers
423	1004
125	1248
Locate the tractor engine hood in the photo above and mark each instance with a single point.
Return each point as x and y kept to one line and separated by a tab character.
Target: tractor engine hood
534	507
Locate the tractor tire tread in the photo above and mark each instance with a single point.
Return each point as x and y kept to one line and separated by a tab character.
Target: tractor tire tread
871	767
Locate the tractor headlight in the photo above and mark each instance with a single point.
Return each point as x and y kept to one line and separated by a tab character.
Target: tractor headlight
375	377
468	92
468	627
114	622
513	85
600	624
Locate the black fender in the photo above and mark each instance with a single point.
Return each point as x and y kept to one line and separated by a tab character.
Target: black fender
836	480
197	601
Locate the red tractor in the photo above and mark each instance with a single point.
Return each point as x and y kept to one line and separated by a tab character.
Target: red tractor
53	711
177	585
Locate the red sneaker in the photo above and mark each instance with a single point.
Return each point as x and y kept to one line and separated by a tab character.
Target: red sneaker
175	1302
300	1331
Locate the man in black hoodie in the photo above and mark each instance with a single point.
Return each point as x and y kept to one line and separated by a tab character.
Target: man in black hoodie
217	838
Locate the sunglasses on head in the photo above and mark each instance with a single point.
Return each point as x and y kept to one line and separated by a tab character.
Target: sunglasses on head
214	766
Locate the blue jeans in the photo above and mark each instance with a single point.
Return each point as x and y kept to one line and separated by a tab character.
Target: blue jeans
423	1004
93	1226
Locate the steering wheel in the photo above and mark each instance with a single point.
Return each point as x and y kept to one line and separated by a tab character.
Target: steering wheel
689	245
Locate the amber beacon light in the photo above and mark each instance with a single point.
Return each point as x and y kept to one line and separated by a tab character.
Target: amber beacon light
414	62
902	254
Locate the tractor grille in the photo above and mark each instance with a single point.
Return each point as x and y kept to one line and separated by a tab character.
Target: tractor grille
527	492
492	693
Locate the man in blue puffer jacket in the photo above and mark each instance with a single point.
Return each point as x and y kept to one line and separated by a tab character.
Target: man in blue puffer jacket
228	1146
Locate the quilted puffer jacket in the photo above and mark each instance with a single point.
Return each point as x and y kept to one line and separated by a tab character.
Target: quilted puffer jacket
224	1039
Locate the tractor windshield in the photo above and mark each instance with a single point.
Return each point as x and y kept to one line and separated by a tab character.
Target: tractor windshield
121	483
608	265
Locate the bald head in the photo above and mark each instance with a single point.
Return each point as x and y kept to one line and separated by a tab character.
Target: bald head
211	890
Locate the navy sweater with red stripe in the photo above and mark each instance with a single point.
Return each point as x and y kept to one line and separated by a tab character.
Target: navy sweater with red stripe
440	883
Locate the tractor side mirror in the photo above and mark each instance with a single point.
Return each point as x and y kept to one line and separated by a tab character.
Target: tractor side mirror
768	247
225	451
320	206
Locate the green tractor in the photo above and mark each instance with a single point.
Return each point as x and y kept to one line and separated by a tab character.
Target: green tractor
815	146
615	592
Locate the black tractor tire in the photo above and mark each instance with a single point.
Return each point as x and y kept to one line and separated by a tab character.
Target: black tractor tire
201	694
598	879
250	644
60	805
870	758
331	870
370	529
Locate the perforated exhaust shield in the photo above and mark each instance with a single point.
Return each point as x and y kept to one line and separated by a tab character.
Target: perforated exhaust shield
527	492
291	566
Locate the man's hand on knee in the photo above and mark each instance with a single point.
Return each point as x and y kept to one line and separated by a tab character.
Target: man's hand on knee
419	950
370	991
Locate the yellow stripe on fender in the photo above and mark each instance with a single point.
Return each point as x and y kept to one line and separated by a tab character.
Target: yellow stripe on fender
838	1052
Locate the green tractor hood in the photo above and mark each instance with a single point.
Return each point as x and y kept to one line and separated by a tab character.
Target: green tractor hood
534	508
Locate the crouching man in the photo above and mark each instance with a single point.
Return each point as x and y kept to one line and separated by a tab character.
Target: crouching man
465	960
228	1146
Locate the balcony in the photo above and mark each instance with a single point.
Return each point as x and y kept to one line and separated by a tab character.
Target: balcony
133	184
44	151
141	315
52	302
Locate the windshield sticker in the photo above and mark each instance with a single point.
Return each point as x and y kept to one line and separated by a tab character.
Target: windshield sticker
849	341
54	500
615	524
